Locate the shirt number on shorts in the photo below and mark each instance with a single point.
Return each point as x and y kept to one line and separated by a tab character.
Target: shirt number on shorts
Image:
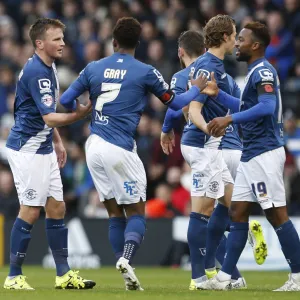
261	189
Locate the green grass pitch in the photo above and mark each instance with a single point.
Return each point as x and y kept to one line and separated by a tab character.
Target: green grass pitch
159	283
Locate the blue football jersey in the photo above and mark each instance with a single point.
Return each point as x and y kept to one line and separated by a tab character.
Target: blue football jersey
118	87
37	92
211	109
231	139
266	133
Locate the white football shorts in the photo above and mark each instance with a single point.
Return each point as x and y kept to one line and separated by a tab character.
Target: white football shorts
232	159
261	180
207	167
116	172
36	177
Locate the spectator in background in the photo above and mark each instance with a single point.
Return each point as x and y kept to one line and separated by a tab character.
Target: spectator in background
70	18
159	9
7	86
159	206
157	58
9	203
281	51
86	34
77	180
94	208
149	33
144	140
180	197
292	18
236	10
292	136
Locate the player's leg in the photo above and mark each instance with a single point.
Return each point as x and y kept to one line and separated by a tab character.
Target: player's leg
117	226
290	244
120	180
232	160
29	180
255	235
201	209
237	281
117	220
205	184
271	194
239	212
135	228
57	232
218	221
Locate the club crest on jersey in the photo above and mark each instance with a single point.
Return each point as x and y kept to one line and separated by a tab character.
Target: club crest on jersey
44	85
266	75
47	100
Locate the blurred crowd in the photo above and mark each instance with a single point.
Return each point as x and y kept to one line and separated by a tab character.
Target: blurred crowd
88	37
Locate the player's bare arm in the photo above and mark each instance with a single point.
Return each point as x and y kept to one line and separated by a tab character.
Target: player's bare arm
62	119
59	148
196	116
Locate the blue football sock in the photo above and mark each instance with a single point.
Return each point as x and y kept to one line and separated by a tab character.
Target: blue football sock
116	232
236	242
134	234
215	230
220	258
57	235
196	237
19	241
290	244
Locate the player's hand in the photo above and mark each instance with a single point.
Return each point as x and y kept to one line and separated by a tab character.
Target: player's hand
167	142
61	154
83	110
212	87
200	81
217	126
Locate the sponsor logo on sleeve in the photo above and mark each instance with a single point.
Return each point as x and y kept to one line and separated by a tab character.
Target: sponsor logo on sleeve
266	75
44	85
47	100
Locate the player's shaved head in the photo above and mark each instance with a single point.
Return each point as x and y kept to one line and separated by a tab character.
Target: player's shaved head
192	42
260	33
127	32
39	28
215	29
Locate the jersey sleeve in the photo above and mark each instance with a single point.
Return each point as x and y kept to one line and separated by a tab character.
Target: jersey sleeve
40	90
263	80
81	84
178	84
157	86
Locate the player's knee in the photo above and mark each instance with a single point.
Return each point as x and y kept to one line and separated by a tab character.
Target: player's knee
237	215
277	216
56	210
29	213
